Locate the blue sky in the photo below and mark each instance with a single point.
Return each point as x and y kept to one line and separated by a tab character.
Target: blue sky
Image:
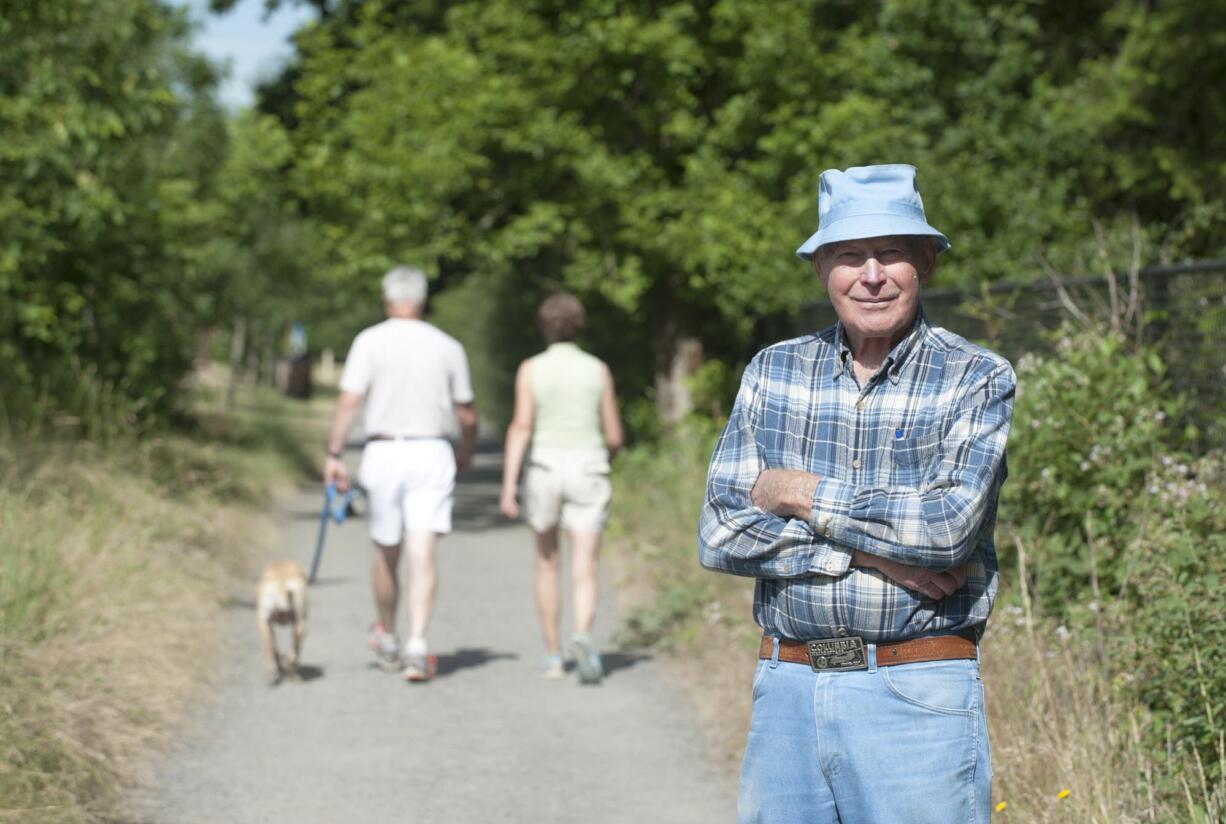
253	47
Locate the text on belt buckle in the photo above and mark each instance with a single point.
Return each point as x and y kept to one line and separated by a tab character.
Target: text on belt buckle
830	654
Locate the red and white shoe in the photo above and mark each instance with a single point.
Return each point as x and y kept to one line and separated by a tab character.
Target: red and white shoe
419	668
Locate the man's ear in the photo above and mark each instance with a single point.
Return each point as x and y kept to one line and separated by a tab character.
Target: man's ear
928	263
817	267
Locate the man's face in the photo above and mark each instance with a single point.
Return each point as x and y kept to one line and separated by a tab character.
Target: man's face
874	284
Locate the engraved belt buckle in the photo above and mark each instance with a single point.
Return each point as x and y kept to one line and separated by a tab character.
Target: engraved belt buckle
834	654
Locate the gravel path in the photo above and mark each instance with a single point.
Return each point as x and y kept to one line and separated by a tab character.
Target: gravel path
486	741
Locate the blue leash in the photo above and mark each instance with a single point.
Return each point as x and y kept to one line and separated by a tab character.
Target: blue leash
335	507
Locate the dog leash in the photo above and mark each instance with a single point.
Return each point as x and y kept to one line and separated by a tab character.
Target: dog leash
336	508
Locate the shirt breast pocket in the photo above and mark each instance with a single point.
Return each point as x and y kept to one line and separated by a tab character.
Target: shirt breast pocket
913	455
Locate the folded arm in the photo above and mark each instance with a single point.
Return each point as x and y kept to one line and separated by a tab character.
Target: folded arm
934	526
739	537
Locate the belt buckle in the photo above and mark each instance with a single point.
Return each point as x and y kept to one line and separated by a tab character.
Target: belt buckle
836	654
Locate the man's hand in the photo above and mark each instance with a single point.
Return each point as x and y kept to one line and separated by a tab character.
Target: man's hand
336	473
507	503
928	582
787	493
463	458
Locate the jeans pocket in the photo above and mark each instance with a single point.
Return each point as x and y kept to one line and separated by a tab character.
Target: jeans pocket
759	675
947	687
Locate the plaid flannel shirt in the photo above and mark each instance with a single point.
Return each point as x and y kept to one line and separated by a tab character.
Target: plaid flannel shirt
911	466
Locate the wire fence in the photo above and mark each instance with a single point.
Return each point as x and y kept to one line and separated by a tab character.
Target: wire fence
1180	310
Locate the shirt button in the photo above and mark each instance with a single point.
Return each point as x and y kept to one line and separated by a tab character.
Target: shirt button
860	404
855	464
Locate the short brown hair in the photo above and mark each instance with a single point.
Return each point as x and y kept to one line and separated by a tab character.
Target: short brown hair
561	318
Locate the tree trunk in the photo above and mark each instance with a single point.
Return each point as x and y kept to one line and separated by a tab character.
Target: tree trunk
238	343
673	396
268	365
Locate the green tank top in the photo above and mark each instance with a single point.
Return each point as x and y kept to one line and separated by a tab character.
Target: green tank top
566	387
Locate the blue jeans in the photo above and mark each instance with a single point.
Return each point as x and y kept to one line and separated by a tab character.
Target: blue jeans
905	743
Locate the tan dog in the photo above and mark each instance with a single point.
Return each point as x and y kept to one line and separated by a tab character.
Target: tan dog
281	598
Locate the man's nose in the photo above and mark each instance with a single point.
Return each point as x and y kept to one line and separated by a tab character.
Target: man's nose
872	273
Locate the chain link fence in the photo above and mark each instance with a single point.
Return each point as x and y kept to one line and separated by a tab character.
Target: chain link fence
1180	310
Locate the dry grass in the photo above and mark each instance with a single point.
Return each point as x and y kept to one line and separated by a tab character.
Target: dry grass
1066	746
112	566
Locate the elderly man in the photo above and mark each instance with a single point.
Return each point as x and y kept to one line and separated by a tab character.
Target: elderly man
857	481
416	384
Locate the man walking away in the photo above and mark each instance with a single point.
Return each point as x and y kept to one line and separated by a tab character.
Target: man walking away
415	381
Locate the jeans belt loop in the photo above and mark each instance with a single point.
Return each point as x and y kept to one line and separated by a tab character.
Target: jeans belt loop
870	655
775	654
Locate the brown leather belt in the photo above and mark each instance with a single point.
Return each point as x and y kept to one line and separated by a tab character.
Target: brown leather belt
833	654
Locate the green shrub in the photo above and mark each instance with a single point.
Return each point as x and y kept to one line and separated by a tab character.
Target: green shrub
1091	421
1124	533
1171	617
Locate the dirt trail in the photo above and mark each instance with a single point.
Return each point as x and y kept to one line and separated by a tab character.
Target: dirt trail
487	741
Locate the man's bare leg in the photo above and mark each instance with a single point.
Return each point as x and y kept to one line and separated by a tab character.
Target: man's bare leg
584	558
386	584
423	583
548	593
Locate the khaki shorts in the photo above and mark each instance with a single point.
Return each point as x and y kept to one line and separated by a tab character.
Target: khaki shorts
409	486
567	486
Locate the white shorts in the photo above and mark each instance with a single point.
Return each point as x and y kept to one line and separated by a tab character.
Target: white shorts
410	485
570	486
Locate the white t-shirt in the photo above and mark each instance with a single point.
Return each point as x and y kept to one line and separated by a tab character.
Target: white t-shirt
412	375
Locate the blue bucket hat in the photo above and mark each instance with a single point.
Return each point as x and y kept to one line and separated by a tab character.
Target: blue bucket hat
868	201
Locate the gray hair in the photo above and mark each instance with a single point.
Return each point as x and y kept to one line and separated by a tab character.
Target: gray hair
406	284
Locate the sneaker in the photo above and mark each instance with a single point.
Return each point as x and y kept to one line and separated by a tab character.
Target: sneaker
587	659
385	648
552	667
418	668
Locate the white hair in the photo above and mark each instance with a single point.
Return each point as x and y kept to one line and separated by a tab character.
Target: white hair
405	284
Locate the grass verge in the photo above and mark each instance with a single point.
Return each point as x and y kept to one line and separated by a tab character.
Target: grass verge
113	562
1066	742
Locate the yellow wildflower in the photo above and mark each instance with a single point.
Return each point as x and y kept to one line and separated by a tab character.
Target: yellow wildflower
1063	794
1001	806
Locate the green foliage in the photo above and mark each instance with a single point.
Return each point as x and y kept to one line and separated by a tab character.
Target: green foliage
1172	612
98	103
1123	531
1091	421
660	158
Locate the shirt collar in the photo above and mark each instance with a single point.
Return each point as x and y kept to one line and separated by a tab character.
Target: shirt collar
898	356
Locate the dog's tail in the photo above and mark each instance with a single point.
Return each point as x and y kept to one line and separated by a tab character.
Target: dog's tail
295	597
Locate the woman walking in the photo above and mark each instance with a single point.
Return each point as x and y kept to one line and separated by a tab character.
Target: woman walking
565	406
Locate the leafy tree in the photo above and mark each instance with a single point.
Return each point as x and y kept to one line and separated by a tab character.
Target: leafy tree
98	297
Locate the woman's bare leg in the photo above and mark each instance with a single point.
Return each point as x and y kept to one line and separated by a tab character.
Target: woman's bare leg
584	559
548	593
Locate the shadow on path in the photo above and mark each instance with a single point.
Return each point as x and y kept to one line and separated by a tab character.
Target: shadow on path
469	657
614	661
306	672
